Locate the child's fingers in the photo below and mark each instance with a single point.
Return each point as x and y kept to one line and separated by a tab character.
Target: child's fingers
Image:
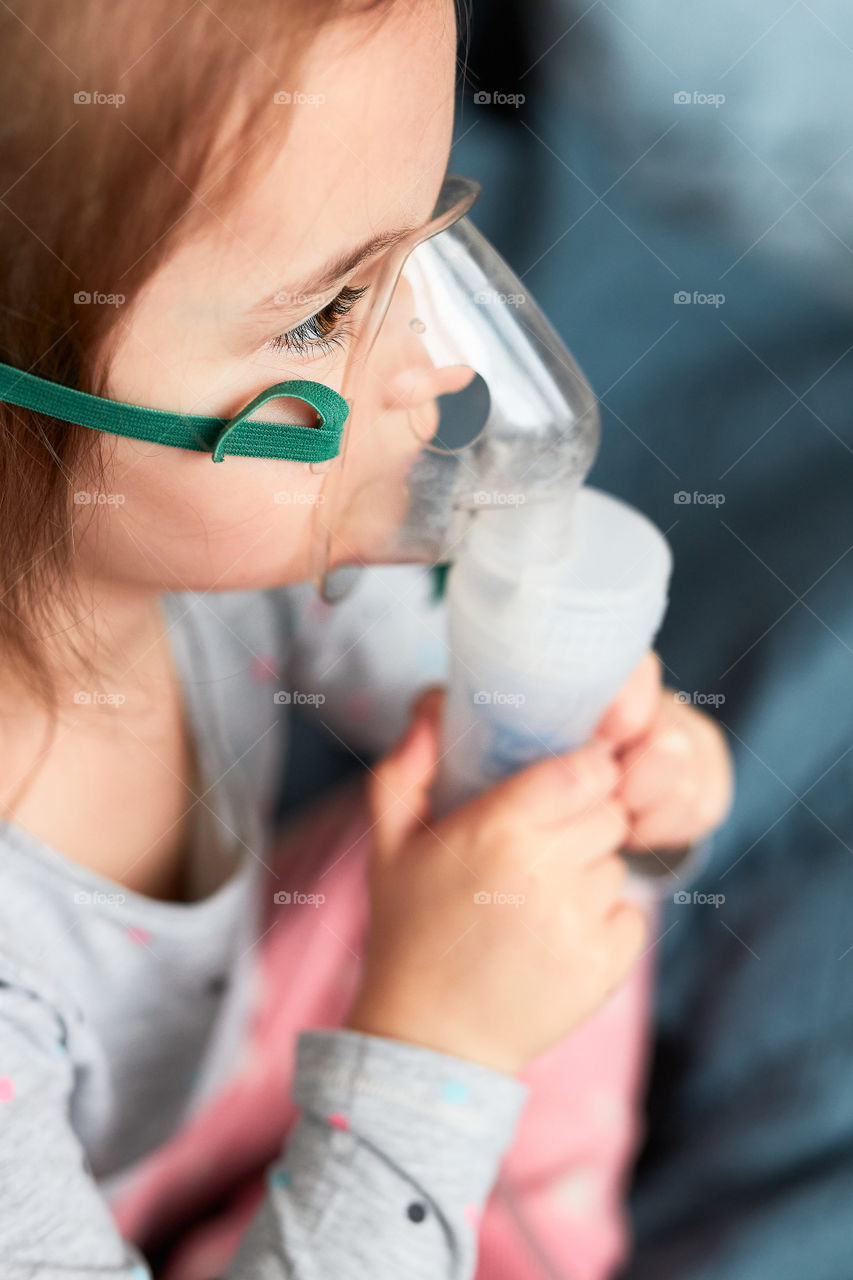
666	826
399	788
634	707
559	789
593	837
604	883
683	759
660	766
563	850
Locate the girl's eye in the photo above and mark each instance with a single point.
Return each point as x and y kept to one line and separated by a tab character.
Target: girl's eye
322	331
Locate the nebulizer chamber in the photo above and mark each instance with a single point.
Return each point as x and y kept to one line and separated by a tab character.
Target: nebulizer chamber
555	590
539	646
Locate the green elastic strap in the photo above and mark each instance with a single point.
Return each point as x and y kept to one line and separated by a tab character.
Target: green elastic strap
217	436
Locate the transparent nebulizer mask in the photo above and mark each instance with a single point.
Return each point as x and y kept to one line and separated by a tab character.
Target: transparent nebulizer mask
493	410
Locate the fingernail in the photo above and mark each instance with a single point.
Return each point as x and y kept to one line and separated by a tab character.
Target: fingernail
675	741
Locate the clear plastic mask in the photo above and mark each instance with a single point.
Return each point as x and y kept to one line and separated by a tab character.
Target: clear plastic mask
496	411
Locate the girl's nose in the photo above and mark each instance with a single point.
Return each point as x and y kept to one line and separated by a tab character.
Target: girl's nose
409	376
416	385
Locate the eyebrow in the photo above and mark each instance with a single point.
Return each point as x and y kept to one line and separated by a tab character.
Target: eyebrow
332	270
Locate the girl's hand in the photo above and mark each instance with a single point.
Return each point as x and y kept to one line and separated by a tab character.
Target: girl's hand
496	930
675	771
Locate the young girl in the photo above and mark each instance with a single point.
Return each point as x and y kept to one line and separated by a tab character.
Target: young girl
175	186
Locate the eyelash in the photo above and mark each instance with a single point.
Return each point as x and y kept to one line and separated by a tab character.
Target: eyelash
322	331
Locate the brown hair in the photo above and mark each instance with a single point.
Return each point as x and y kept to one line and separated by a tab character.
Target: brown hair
94	196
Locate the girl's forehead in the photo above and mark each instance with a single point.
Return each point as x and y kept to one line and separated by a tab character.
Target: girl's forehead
358	147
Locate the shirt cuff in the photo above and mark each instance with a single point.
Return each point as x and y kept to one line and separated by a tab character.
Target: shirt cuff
446	1121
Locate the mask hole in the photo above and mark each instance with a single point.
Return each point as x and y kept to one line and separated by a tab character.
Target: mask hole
462	417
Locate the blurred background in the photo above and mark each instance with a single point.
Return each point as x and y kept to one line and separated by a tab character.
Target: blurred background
674	182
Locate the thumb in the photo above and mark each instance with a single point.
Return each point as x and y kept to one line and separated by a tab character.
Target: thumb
398	792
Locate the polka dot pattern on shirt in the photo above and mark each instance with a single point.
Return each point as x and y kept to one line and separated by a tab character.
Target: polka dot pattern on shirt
264	669
455	1091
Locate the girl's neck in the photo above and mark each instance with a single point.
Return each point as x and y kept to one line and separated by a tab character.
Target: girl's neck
112	784
108	661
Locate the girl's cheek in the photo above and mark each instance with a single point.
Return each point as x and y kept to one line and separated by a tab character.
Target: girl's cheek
245	522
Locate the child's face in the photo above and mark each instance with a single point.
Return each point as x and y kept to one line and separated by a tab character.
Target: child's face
365	157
